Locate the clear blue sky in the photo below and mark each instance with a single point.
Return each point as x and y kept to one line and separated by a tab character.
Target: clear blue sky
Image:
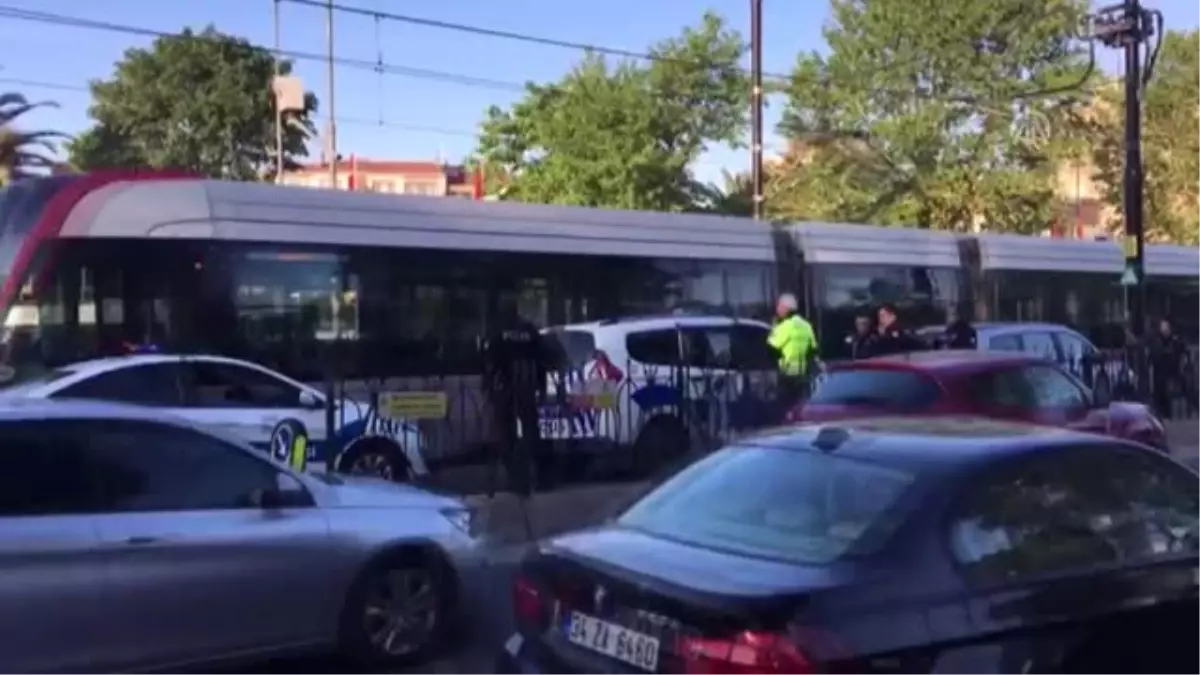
424	119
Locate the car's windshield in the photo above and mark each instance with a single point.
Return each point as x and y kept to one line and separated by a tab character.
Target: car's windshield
795	505
895	389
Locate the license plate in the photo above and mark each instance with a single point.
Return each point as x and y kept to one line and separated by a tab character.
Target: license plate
636	649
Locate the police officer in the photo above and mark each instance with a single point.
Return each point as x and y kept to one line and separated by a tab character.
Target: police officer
959	334
515	377
1169	361
893	337
794	341
861	343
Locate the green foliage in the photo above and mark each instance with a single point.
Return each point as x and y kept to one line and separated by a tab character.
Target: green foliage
622	135
928	113
1170	143
197	101
22	152
734	197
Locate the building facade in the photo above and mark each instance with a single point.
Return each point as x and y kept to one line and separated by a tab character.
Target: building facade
433	179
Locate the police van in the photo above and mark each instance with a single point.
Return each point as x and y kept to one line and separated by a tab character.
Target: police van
257	405
657	385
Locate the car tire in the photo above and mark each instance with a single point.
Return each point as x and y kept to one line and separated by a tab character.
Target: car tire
375	456
398	612
661	442
283	443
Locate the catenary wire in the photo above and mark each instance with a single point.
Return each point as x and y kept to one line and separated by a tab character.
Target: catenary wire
456	78
627	53
19	14
501	34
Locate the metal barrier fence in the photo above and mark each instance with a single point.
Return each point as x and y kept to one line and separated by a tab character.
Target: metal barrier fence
605	419
1141	375
601	419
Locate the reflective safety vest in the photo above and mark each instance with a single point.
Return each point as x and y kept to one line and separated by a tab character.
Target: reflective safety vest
795	341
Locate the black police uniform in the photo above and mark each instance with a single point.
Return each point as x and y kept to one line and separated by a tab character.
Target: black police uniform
959	335
515	376
862	345
1169	363
896	340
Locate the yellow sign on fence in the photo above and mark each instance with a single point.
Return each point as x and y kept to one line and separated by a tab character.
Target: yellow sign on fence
1129	245
413	405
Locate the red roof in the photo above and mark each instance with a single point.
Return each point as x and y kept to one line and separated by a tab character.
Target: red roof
386	166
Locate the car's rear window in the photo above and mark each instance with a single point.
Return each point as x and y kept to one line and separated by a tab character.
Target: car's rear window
893	389
570	348
799	506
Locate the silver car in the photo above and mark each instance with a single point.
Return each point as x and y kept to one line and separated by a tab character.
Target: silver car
134	542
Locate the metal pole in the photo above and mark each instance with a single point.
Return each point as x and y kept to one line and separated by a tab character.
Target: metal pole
278	103
1133	178
756	107
333	152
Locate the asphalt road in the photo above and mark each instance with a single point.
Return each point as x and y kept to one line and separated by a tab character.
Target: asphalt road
474	652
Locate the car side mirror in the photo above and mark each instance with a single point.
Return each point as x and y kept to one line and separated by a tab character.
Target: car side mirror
310	400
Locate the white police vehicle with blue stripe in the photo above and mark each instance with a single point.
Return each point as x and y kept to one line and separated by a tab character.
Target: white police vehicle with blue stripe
255	404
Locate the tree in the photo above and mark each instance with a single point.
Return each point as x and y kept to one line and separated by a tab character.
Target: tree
22	151
1170	143
734	197
196	101
933	113
623	135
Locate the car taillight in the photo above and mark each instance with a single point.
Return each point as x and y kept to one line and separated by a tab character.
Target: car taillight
529	606
746	652
604	368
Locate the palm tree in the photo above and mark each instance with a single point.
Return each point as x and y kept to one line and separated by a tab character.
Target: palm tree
22	151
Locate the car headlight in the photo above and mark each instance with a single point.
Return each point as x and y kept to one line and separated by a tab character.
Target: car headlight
463	519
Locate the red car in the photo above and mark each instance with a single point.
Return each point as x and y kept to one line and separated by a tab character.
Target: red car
998	385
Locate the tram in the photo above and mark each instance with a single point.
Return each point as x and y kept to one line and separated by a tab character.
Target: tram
396	285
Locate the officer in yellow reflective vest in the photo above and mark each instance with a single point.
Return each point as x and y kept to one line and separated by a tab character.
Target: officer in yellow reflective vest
794	341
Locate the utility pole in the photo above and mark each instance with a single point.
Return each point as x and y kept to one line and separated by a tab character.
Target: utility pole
333	151
1127	26
278	101
1133	177
756	107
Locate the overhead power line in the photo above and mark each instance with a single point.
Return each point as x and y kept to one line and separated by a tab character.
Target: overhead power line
357	121
49	18
378	66
501	34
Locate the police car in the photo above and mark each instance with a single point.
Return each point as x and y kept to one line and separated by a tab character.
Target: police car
243	399
656	383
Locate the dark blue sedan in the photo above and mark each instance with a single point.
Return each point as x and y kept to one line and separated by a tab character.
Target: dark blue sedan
880	545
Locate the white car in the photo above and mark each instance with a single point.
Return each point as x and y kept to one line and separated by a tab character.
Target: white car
657	384
247	401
